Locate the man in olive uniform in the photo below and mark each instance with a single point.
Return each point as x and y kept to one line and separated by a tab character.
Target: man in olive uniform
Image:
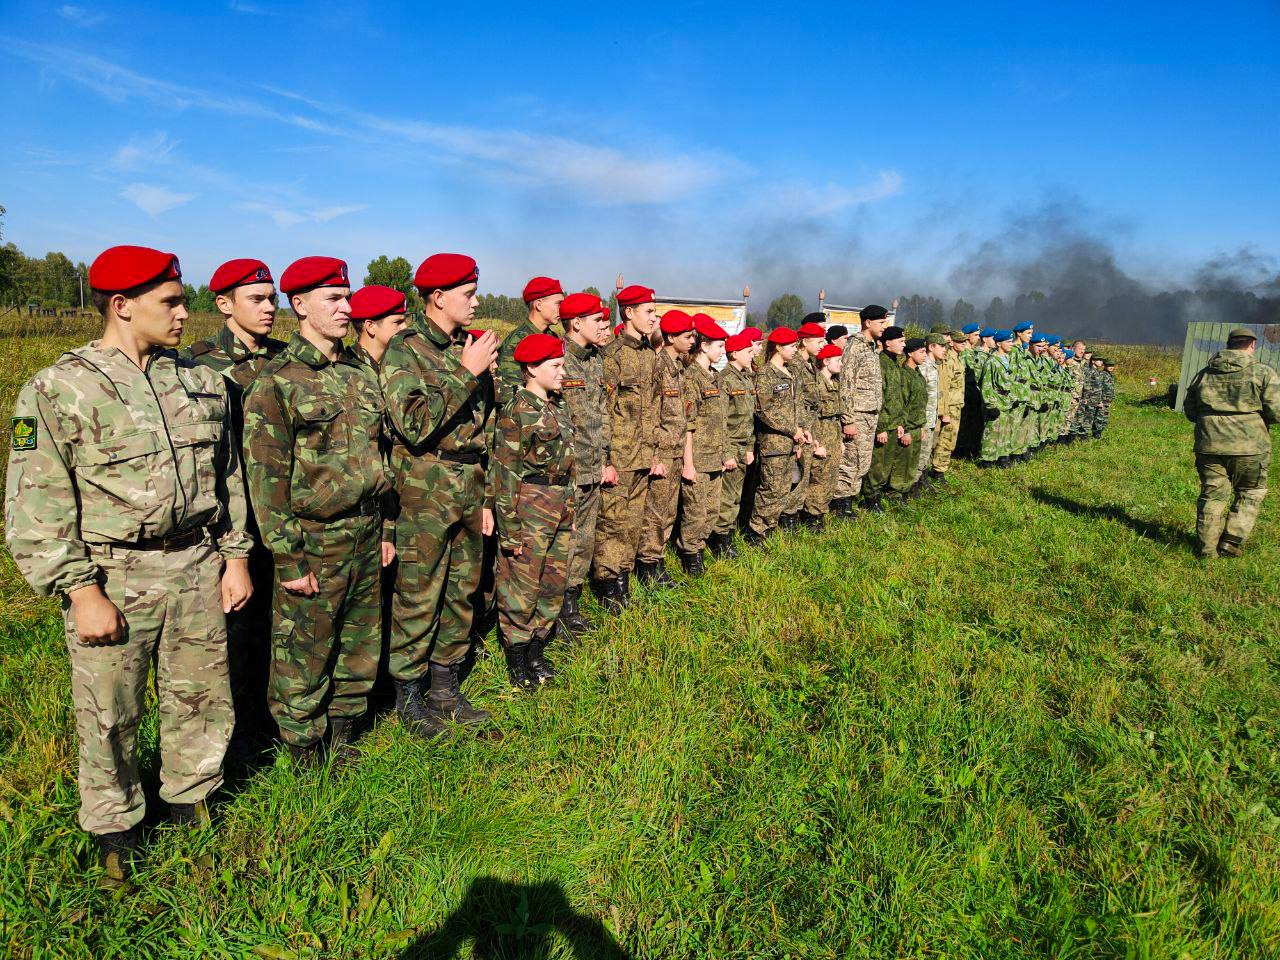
245	294
861	389
440	405
951	400
125	500
542	295
629	382
313	425
586	330
1234	401
737	383
897	428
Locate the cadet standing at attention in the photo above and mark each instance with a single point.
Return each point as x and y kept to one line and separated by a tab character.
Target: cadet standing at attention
439	395
664	488
935	350
1002	398
803	366
861	389
542	295
1234	401
825	470
125	501
633	411
892	436
245	295
531	475
951	400
586	330
737	384
313	425
706	447
778	433
379	313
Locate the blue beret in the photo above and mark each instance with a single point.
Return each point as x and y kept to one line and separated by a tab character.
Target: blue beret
1069	354
987	332
1002	335
1054	339
969	328
1039	338
1024	325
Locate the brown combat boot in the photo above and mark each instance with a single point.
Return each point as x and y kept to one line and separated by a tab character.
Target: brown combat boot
445	700
190	814
119	856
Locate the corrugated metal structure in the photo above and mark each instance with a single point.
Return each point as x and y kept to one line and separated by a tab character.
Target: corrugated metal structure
1206	339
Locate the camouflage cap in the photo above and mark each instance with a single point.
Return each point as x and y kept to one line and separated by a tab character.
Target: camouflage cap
1242	332
939	328
959	336
936	338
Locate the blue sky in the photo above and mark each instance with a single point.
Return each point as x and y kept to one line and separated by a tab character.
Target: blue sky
692	146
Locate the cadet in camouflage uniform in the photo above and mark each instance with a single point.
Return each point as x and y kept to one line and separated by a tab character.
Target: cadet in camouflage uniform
313	424
125	500
901	418
1003	397
1076	368
779	436
951	401
935	352
860	389
629	367
1234	401
378	313
542	295
824	472
664	489
973	420
439	395
804	370
586	330
737	384
1086	411
531	474
1106	396
246	296
706	450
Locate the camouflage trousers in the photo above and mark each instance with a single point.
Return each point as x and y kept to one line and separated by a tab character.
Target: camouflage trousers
441	558
944	445
856	453
531	586
800	489
1101	417
619	524
699	510
586	510
660	512
1082	422
172	605
824	472
924	456
1231	493
778	474
996	439
892	467
325	648
731	488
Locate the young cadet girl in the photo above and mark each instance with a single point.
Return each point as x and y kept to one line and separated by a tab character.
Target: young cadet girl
779	435
705	444
738	384
825	470
531	475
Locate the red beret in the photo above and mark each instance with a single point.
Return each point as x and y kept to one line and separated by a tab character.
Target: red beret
675	322
617	331
807	330
830	350
580	305
783	336
537	347
477	333
739	341
541	287
755	333
311	272
440	271
123	268
707	328
633	295
375	301
236	273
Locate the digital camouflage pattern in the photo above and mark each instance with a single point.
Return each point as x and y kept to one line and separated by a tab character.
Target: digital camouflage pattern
805	375
739	389
924	456
531	474
824	472
862	389
664	492
440	417
777	420
586	401
708	421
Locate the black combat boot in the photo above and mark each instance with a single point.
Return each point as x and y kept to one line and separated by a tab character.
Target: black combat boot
1004	462
571	617
646	571
691	562
1230	547
609	592
342	740
446	703
522	677
189	814
753	539
873	504
305	756
624	587
716	544
119	855
412	709
542	669
938	477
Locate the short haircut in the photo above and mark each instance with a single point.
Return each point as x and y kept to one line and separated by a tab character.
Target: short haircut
1239	343
102	298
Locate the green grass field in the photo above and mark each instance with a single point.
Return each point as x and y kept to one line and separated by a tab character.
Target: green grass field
1019	719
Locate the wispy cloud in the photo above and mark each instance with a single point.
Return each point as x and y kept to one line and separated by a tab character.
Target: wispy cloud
285	217
142	150
153	199
251	9
807	200
80	16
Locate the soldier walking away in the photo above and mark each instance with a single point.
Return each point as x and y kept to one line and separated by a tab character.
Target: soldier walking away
633	413
439	394
542	295
779	437
125	500
586	330
245	295
318	484
861	390
737	384
706	445
531	475
1234	401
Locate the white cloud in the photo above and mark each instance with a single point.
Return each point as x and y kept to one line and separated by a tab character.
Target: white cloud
285	217
80	16
142	150
808	200
153	199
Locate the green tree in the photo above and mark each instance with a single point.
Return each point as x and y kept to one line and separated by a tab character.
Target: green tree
786	310
995	313
58	282
200	299
396	273
963	312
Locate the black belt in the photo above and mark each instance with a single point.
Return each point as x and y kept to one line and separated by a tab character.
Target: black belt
456	457
545	480
177	541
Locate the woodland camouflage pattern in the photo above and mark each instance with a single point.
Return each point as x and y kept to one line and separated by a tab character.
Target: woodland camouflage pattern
664	492
824	472
510	378
805	376
708	420
777	420
586	400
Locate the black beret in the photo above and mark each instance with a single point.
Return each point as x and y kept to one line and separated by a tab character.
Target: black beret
836	331
873	311
892	333
819	318
914	344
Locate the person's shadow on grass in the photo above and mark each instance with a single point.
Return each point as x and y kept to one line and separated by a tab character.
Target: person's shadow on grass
1152	530
515	921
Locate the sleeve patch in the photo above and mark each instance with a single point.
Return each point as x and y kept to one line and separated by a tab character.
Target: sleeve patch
24	433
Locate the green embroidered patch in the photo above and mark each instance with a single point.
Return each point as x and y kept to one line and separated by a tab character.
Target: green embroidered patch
24	433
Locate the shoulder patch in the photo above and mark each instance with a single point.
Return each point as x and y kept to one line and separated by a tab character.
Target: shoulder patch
572	384
23	433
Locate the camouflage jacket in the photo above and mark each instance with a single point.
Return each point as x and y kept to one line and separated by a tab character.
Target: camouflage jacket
1107	388
929	371
633	402
951	385
777	411
915	399
708	418
806	378
829	405
1233	401
673	414
1076	370
1001	390
587	404
510	380
312	430
102	452
532	438
739	390
227	354
861	383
